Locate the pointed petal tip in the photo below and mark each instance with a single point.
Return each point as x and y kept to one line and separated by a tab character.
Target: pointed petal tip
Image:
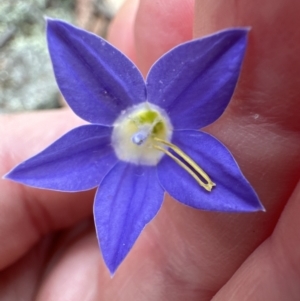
261	208
16	179
242	30
235	31
47	19
53	20
245	29
112	267
258	208
112	271
6	176
240	33
27	183
111	274
51	23
10	175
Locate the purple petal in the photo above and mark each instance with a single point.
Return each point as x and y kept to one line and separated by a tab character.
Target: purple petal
195	81
77	161
232	192
128	198
96	79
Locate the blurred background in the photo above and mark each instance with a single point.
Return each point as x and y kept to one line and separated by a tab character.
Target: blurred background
26	78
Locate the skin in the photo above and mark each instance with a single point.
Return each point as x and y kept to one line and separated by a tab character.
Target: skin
48	244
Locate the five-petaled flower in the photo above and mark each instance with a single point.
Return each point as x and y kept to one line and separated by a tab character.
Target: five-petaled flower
143	139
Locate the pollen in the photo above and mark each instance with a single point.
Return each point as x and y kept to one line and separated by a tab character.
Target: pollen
135	131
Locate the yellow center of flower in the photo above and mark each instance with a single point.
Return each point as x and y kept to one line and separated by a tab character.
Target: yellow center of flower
142	135
134	133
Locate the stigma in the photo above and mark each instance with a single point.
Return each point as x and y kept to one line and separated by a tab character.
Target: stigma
140	137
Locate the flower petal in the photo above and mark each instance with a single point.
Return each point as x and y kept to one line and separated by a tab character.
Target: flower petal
232	192
77	161
128	198
96	79
195	81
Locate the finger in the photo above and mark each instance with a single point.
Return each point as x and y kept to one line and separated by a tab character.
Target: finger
20	281
78	271
29	213
264	144
258	126
121	30
272	272
26	213
144	44
269	78
75	272
160	26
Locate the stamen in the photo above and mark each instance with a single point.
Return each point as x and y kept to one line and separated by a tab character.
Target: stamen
208	186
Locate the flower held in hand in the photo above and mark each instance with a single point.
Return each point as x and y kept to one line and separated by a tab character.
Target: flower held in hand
143	138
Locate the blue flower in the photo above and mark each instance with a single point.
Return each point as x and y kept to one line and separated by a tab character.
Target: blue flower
143	139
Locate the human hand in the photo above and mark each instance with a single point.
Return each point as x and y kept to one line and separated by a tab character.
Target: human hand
183	254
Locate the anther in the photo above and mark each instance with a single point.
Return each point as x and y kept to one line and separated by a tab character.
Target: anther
190	163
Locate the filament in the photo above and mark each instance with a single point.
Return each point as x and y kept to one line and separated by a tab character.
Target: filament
208	186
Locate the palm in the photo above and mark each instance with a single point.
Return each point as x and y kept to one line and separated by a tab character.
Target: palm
184	253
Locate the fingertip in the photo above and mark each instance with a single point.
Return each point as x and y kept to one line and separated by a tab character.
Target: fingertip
159	26
146	30
121	30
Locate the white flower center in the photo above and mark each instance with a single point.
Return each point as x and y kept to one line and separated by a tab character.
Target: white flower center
134	133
